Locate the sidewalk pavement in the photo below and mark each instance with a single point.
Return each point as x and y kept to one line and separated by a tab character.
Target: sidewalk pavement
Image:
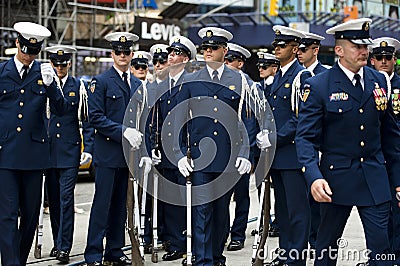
353	240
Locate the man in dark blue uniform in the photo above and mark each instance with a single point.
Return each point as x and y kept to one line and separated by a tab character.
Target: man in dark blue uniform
291	196
268	65
24	146
65	152
347	116
109	95
307	55
235	59
383	59
140	65
218	155
308	52
160	61
180	51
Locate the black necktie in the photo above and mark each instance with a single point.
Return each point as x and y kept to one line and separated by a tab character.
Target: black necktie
358	87
125	78
24	72
215	76
61	84
172	83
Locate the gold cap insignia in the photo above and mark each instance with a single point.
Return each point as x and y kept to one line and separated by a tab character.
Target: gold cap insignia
278	32
384	44
177	40
122	39
140	56
209	34
158	50
60	52
261	56
32	40
365	26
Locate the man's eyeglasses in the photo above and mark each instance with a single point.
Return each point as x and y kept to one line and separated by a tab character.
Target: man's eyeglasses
230	59
125	52
380	57
176	50
281	45
213	47
305	49
159	60
59	65
137	67
264	66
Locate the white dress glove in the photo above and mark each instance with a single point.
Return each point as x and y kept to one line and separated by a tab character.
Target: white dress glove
243	165
47	72
185	167
85	158
134	137
263	140
155	157
146	162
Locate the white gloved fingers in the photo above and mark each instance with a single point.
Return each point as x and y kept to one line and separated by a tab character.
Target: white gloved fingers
262	140
185	167
85	158
134	137
156	157
47	72
146	162
243	165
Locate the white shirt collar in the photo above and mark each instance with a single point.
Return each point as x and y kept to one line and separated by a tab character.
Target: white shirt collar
120	74
285	68
177	76
350	74
19	65
313	66
219	70
64	80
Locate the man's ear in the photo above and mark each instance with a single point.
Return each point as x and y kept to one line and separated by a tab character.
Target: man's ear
339	50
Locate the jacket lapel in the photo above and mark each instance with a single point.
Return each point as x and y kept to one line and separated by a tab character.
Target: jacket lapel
12	72
369	86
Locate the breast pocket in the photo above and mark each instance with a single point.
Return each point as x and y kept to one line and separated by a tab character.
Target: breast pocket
232	98
115	100
72	97
339	108
8	94
38	90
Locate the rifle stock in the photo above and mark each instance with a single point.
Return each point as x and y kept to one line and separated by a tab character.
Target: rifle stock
137	259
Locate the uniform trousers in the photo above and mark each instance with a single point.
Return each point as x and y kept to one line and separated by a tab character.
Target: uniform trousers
209	222
60	190
293	214
242	199
19	190
175	215
108	215
333	220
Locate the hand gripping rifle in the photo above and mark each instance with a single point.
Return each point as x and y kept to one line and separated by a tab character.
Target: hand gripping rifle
39	228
